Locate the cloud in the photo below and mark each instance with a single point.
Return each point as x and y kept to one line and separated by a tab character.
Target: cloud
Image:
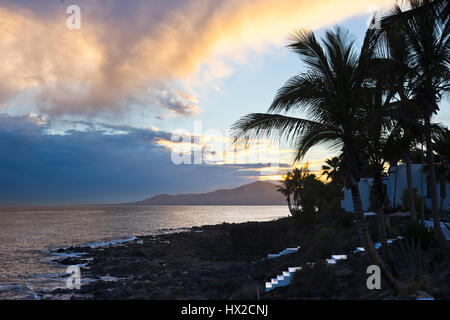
126	48
214	147
178	103
96	164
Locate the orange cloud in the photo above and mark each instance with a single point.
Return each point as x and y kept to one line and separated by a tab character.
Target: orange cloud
113	61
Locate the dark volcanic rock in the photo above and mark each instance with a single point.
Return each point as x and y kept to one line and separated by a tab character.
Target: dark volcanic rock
228	262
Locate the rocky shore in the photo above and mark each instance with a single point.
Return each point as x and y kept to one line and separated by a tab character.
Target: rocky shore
228	262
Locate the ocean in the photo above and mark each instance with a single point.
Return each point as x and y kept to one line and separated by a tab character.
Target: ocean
30	235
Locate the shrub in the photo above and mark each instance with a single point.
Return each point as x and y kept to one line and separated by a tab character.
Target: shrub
252	237
316	282
305	219
405	200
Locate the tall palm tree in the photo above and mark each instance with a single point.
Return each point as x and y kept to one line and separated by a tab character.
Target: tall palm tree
426	30
330	94
442	147
393	65
377	110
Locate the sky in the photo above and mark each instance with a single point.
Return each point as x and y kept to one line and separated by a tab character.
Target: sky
95	112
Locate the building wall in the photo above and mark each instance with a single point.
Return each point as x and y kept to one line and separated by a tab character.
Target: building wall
395	184
364	189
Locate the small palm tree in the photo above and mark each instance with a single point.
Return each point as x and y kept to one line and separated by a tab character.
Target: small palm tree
332	170
331	95
306	192
287	189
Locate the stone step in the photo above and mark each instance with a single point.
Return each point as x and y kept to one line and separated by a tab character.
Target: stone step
282	253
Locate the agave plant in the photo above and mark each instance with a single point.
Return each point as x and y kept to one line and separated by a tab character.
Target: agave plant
412	256
419	231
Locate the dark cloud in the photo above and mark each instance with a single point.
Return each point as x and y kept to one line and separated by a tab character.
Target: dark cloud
103	164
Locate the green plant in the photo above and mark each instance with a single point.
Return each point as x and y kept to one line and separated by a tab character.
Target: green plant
418	232
345	219
410	249
405	201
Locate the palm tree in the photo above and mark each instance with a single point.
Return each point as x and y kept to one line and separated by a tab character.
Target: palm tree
393	67
441	146
303	187
330	94
287	189
298	177
332	170
377	110
426	30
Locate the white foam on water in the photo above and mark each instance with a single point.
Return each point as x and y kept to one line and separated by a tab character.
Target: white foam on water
108	243
63	255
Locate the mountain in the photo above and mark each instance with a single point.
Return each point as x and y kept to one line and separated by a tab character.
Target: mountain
257	193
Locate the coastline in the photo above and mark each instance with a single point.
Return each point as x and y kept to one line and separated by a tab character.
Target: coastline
218	262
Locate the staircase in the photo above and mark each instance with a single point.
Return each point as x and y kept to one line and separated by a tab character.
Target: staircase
282	280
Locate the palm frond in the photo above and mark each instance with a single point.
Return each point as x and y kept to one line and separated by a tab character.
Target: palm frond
299	91
264	125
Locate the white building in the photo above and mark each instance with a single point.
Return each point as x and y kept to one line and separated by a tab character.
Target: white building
395	184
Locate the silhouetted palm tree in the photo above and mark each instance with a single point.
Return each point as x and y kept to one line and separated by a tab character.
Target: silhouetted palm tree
332	170
331	94
287	189
393	66
442	148
426	30
379	124
441	145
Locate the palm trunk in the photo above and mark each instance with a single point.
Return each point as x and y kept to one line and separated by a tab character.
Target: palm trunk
289	204
369	248
378	200
422	200
432	171
395	187
387	254
412	205
442	192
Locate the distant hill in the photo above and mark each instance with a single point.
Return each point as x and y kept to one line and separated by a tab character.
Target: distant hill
257	193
